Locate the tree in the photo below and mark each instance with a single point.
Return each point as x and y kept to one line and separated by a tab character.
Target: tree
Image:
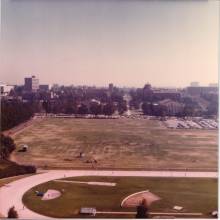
70	108
159	110
12	213
188	110
122	107
95	108
7	146
83	109
47	106
147	108
134	103
108	109
15	112
212	109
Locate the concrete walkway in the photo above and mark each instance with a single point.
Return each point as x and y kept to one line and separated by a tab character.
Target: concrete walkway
12	193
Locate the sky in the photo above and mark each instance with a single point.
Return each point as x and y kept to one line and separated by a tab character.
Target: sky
95	42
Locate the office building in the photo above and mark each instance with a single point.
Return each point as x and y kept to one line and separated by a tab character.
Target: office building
195	91
194	84
110	87
213	85
31	84
172	107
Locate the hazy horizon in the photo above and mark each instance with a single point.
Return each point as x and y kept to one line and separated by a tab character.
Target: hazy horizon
124	42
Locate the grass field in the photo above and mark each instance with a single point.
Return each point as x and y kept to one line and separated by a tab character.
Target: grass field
195	195
116	144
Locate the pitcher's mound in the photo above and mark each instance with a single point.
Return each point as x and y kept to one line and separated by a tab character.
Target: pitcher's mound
51	194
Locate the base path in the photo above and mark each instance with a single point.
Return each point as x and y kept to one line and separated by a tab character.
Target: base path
11	194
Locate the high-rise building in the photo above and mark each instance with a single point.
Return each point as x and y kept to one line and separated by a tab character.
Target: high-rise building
110	87
194	84
31	84
213	84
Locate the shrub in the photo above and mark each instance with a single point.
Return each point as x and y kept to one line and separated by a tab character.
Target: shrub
13	169
12	213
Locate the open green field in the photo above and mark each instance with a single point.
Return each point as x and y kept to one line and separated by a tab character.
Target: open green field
116	144
194	195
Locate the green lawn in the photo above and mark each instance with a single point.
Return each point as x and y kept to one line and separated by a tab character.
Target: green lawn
116	144
195	195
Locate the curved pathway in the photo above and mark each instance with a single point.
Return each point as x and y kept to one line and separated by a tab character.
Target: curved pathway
12	193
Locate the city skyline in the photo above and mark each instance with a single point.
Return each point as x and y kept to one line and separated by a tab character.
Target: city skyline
124	42
215	84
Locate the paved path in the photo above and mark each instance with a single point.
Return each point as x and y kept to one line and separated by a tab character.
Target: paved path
11	194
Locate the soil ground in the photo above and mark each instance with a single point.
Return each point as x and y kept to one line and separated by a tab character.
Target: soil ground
115	144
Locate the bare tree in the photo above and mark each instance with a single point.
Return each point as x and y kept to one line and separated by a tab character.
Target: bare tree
12	213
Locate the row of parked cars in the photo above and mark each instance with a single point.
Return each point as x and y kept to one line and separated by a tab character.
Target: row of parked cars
191	123
87	116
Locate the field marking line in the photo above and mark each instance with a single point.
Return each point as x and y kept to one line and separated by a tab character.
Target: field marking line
88	183
126	198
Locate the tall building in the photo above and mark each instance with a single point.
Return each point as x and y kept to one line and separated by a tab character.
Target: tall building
213	84
201	90
172	94
194	84
31	84
110	87
147	90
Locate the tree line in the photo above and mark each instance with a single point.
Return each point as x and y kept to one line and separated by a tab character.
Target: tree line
95	108
15	112
7	146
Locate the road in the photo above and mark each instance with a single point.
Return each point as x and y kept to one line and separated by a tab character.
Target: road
12	193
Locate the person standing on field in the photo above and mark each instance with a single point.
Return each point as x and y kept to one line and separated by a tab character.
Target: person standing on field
142	210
